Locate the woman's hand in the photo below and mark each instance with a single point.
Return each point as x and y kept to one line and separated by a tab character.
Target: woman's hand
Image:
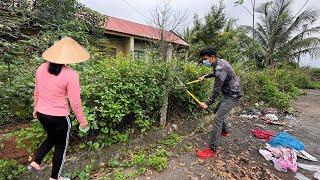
34	114
84	124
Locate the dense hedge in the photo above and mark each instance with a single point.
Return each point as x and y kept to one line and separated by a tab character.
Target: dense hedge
122	93
16	90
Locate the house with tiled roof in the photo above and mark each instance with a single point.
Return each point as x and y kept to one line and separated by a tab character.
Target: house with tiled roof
131	38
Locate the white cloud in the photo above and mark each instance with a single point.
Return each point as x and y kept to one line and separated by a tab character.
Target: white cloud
140	10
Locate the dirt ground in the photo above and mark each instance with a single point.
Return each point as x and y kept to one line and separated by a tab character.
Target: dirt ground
9	149
239	157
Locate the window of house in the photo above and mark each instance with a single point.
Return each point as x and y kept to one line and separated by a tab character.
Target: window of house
138	54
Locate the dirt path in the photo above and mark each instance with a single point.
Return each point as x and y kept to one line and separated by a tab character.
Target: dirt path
239	158
307	128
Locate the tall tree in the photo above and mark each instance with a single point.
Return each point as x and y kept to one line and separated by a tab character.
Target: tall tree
166	21
284	36
205	30
252	13
212	24
27	27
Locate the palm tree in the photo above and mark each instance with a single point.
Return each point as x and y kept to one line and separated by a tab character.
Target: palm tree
282	36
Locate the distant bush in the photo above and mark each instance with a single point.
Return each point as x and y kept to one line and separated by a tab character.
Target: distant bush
276	87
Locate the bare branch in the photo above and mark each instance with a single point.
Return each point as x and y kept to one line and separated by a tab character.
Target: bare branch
166	21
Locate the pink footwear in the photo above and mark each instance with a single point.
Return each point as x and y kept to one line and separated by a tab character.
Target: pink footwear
34	170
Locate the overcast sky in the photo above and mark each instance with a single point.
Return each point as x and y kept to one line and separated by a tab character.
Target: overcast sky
140	10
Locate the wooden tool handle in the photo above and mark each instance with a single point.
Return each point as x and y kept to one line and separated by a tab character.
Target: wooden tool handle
191	82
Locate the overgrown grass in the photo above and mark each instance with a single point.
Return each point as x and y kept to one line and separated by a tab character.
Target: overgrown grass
154	156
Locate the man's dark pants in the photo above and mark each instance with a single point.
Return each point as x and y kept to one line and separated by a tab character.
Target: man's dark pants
219	124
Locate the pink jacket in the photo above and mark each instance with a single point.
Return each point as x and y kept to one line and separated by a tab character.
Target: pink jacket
52	92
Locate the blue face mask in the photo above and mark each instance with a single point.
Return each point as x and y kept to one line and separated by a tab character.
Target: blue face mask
206	63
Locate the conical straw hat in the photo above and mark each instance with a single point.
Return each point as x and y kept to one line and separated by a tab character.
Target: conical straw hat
66	51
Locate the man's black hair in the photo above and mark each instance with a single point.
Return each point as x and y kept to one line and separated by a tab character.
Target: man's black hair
209	51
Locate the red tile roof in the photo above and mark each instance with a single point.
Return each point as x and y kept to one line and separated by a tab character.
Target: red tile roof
131	28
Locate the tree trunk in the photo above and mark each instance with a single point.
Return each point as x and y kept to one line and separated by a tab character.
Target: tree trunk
253	29
9	73
164	108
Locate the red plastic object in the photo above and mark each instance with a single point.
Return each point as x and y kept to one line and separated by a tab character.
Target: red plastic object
206	153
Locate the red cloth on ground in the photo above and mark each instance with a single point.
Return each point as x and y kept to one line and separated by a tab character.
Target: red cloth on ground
263	134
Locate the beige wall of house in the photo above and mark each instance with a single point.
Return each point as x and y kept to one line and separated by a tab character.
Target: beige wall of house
129	45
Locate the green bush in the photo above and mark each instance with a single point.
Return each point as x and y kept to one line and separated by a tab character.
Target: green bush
274	86
9	169
315	73
123	93
188	72
315	85
16	98
118	89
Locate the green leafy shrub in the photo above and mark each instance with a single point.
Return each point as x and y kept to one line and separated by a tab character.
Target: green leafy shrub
315	85
16	98
118	89
172	139
118	175
315	73
124	93
274	86
139	159
9	169
29	138
178	97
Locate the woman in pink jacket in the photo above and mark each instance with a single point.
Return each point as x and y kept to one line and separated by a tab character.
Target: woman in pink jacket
56	84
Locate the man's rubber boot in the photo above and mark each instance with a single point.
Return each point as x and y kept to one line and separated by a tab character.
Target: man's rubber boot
226	134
